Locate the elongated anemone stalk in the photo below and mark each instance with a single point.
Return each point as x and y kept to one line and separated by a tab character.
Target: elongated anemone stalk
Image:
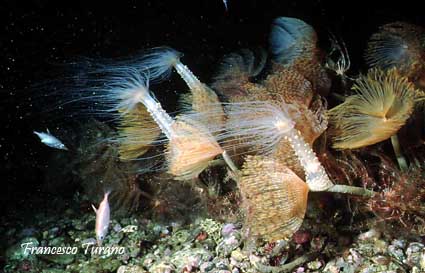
202	99
159	62
264	125
123	88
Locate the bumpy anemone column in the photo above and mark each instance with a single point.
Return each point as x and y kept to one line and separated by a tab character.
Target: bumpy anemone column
201	99
262	126
190	146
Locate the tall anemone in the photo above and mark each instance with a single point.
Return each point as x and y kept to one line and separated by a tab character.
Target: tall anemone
383	102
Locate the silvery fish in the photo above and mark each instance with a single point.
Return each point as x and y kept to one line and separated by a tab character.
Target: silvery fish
50	140
102	219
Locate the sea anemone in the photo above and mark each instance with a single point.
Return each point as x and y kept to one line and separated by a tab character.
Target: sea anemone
191	149
382	105
289	85
291	38
235	73
262	126
137	132
293	44
274	198
398	45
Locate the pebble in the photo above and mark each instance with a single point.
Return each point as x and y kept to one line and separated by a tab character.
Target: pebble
314	265
117	227
179	252
17	252
62	259
237	255
226	246
422	260
89	241
413	253
396	252
207	267
399	243
53	232
130	269
222	265
228	229
78	225
369	235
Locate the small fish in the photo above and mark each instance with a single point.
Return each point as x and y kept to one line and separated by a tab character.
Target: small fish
50	140
102	219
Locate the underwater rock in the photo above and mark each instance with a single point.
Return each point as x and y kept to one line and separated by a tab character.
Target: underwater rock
148	260
399	243
180	236
78	224
115	238
162	267
227	245
228	229
58	241
52	233
339	265
396	252
63	259
17	252
207	267
89	241
371	234
238	256
117	227
95	265
221	264
131	269
314	265
52	270
301	237
414	252
212	228
190	258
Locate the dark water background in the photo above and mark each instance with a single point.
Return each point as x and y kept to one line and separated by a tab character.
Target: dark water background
35	36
